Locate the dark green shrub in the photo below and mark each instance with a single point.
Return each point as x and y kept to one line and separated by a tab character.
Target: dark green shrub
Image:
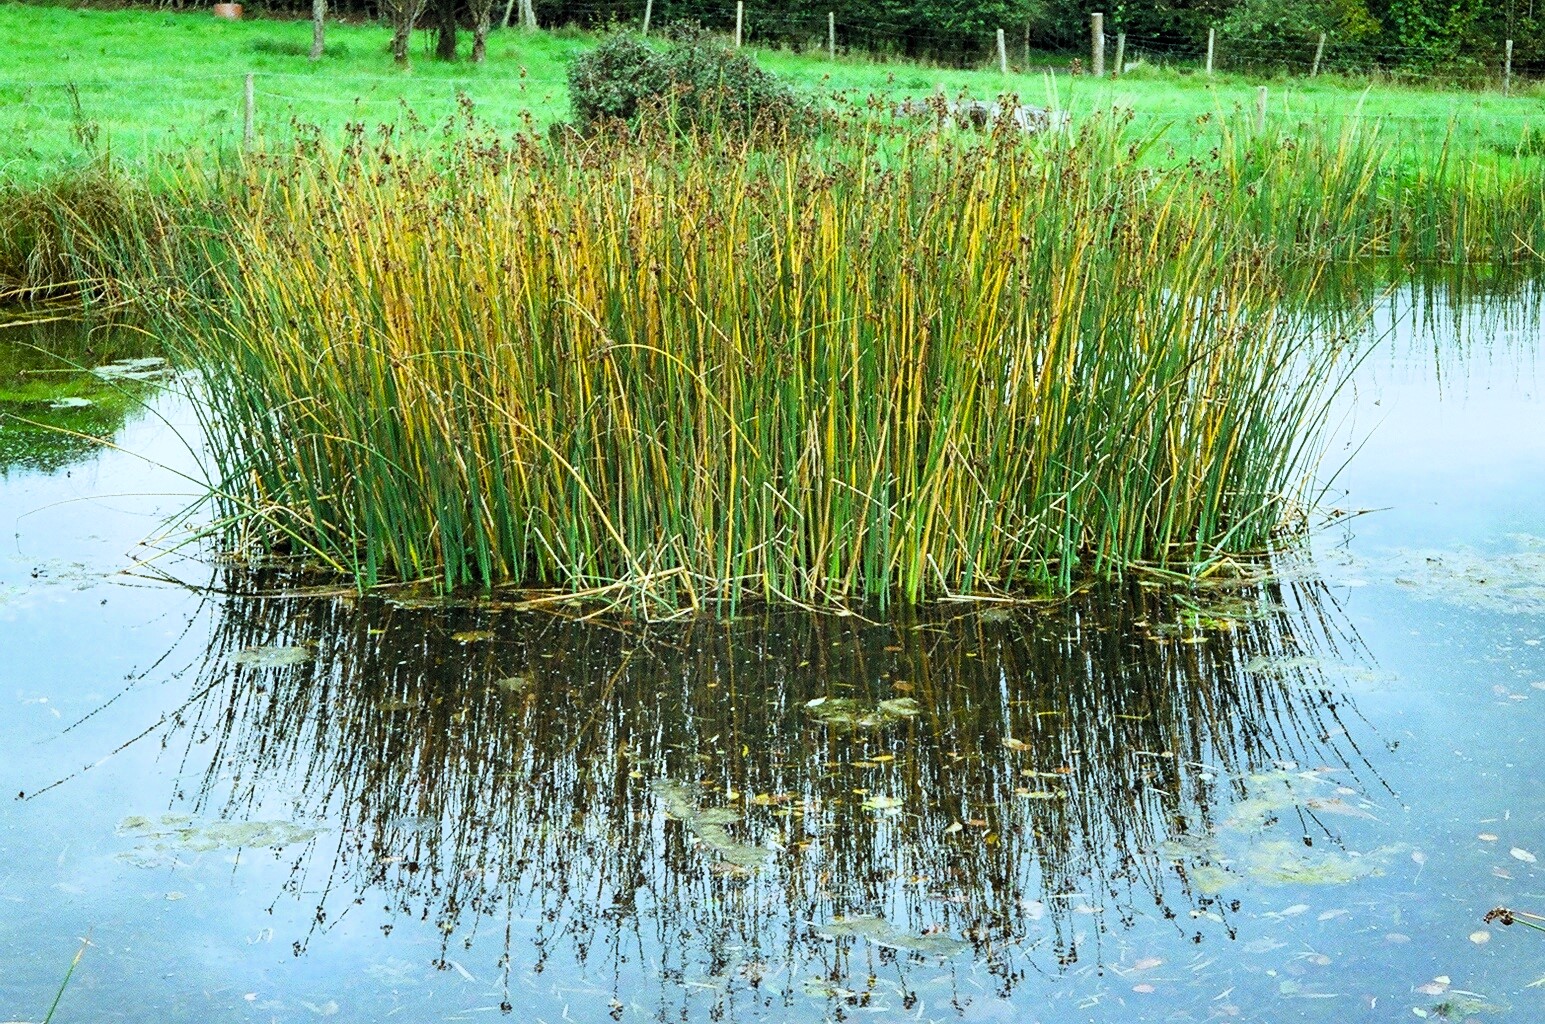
609	81
696	82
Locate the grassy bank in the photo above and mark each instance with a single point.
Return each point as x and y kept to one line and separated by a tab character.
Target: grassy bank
77	83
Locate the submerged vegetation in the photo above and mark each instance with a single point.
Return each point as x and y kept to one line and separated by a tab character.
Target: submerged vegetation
63	389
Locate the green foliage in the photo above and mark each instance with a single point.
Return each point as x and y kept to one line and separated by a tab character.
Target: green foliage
611	80
1280	20
1437	33
696	82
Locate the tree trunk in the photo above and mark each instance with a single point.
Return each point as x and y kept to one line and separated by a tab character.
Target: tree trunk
445	19
401	28
509	6
482	21
403	15
318	27
528	15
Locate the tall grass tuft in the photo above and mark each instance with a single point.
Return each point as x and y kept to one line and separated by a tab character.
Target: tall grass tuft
686	370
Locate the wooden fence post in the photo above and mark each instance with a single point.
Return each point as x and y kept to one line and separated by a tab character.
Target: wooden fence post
1260	109
1212	45
1507	70
1003	53
1319	54
831	34
1121	54
648	13
740	21
248	114
1097	43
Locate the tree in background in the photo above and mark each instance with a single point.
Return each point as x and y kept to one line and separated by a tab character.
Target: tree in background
482	20
403	15
445	29
1428	36
527	14
1288	20
318	27
1437	33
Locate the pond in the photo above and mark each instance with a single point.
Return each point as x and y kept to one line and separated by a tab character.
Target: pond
1293	792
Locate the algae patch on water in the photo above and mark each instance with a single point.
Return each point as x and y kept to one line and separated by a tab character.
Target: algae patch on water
848	713
273	657
882	933
1280	862
708	824
162	838
1512	582
1271	793
142	368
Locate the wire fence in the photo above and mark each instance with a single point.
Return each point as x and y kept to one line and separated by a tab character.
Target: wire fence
1027	46
193	105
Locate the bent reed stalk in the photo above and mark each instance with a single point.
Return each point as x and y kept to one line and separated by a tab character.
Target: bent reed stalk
692	371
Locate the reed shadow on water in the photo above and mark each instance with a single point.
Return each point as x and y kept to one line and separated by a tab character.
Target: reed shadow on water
779	806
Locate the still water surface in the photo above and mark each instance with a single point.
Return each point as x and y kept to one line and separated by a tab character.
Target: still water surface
1290	796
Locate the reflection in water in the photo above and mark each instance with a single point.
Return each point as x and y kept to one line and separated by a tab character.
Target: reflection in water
1464	327
750	811
65	384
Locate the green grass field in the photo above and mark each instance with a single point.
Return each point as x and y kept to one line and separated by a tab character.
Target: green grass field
143	84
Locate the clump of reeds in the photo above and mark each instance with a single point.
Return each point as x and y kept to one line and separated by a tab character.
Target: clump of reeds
689	371
93	234
1314	194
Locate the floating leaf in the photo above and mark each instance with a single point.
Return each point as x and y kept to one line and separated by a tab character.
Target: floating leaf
1523	855
472	636
1480	938
515	684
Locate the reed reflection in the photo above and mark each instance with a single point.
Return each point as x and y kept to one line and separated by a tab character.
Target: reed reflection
775	806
